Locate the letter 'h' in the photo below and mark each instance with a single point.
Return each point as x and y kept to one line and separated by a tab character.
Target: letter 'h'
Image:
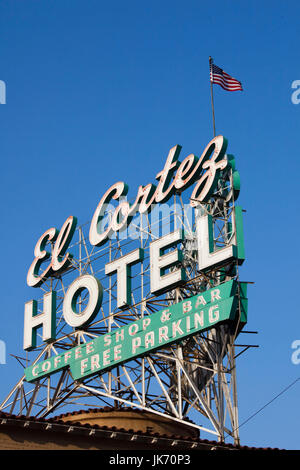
46	320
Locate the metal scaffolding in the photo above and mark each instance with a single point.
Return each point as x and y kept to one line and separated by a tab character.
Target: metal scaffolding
193	381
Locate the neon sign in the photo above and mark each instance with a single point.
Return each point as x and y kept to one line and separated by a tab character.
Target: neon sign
166	270
143	336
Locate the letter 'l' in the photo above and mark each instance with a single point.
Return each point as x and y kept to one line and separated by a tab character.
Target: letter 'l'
208	256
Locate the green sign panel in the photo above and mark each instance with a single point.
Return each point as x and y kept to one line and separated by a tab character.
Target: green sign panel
147	334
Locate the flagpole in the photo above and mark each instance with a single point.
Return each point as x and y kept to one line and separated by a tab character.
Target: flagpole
212	97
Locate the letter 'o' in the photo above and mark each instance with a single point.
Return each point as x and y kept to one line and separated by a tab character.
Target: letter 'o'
95	293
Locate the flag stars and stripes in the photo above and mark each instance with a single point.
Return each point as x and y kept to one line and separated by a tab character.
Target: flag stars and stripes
218	76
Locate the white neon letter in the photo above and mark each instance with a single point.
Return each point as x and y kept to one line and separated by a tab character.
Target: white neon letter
122	266
160	262
93	285
207	257
32	320
114	192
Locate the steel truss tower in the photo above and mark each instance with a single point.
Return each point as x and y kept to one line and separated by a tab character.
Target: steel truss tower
193	381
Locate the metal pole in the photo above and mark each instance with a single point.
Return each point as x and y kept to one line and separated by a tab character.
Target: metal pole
212	96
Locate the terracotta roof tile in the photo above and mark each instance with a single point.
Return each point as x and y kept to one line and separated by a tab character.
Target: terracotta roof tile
57	421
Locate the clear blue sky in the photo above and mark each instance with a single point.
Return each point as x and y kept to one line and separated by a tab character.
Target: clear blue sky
98	92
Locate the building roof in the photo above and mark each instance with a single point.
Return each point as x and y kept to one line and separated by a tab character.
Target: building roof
94	431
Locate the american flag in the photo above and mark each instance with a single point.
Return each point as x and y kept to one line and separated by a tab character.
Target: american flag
222	78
